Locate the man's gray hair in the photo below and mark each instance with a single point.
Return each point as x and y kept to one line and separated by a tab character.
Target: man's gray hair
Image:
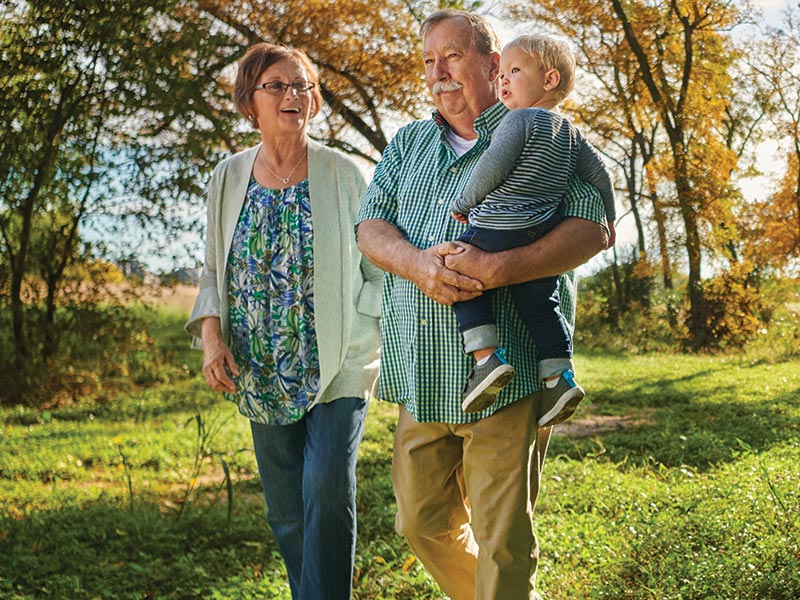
484	39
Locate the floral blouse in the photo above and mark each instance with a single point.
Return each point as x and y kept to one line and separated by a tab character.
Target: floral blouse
271	298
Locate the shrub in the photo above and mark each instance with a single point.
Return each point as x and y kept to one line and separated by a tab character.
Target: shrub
99	346
747	312
737	310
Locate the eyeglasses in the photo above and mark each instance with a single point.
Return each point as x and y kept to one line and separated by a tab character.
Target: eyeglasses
278	88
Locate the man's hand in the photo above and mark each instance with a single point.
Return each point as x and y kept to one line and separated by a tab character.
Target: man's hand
437	281
569	245
474	262
385	246
461	218
612	234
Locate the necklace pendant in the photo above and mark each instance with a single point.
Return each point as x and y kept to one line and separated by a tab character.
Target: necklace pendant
284	180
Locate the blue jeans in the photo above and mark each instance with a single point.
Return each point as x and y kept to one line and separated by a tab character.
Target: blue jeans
537	301
308	473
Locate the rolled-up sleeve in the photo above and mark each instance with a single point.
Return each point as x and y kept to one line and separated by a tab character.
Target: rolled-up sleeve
584	202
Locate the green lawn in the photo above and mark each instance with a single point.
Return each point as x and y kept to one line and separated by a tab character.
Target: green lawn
697	497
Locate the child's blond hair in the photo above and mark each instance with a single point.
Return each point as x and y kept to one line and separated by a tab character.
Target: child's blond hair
554	54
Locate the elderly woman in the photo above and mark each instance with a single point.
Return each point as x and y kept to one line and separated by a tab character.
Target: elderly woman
287	315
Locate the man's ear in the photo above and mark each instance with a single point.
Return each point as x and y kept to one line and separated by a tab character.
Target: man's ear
494	68
551	79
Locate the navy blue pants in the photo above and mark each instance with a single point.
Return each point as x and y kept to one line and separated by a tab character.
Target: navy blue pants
537	301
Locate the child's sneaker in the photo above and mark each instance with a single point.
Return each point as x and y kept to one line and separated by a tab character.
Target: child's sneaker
486	381
559	402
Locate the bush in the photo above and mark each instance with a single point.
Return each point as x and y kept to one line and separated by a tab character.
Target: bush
637	329
737	310
746	313
99	345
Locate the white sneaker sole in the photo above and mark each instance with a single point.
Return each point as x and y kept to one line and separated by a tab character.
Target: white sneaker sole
563	409
486	392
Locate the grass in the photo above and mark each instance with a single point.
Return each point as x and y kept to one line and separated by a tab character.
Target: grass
126	495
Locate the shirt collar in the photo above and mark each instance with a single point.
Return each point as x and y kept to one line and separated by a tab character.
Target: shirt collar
486	121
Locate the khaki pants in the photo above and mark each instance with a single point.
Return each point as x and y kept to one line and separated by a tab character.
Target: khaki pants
443	474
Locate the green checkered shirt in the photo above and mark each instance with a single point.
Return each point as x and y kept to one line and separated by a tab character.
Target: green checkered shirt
422	363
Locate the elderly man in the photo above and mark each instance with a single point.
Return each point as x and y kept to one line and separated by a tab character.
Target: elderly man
466	484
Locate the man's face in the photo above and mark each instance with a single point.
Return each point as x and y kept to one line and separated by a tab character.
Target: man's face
461	81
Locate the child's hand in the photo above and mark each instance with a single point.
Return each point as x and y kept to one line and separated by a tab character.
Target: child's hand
612	234
460	218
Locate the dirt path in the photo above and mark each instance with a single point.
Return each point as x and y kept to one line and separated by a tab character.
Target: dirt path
589	425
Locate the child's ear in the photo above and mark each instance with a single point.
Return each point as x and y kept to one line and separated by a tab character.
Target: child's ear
551	79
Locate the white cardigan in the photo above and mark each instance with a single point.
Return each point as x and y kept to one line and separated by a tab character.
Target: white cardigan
347	287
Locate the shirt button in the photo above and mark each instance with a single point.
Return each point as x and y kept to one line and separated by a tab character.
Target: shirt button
423	322
430	238
454	169
441	200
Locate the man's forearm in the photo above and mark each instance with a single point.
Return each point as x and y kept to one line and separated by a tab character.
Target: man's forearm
386	248
569	245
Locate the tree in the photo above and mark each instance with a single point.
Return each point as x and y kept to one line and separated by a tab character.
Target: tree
365	52
775	235
613	104
69	73
684	59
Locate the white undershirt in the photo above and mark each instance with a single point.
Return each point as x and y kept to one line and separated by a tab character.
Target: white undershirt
460	145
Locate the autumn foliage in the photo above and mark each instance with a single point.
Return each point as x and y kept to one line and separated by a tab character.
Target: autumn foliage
118	111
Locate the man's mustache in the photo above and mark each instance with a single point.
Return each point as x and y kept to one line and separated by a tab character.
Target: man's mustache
445	86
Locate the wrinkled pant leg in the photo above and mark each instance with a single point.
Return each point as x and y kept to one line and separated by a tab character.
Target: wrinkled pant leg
432	511
279	453
503	461
335	430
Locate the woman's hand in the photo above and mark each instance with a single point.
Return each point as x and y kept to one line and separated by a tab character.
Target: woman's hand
217	358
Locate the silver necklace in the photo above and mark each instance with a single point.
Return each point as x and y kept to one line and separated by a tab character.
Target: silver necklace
284	180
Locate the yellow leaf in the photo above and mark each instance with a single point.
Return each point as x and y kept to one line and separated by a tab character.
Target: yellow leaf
408	564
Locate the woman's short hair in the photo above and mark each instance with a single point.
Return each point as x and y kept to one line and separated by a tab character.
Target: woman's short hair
258	59
554	54
484	39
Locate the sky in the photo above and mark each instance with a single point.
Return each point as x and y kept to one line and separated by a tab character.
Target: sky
772	9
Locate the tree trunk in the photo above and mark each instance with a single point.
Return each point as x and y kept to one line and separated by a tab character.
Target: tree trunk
619	295
698	313
633	197
661	232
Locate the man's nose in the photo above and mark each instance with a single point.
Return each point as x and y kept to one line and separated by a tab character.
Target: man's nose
439	70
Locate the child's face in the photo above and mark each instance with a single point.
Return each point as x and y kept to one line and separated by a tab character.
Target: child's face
522	79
